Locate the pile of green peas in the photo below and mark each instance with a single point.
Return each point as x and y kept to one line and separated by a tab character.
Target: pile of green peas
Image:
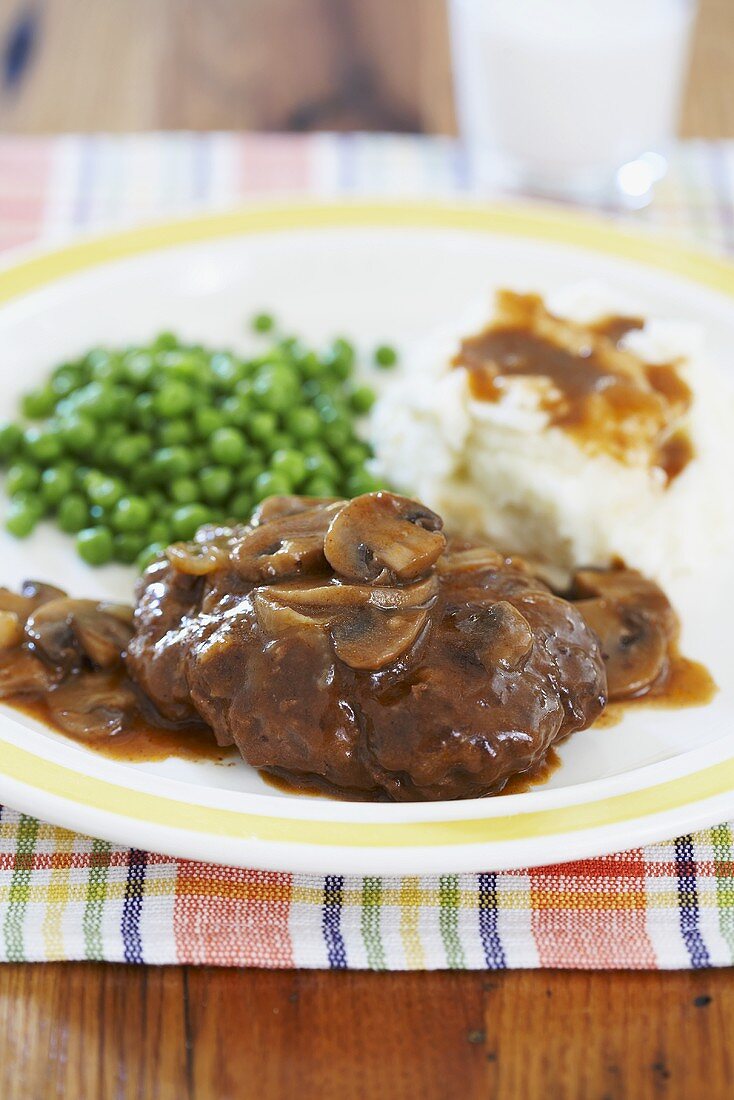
132	449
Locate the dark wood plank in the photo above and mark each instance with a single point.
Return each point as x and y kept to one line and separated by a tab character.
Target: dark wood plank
199	1034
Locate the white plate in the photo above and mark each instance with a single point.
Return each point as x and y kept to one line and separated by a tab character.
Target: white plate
379	272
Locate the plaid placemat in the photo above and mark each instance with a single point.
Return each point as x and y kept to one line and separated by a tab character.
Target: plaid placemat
65	896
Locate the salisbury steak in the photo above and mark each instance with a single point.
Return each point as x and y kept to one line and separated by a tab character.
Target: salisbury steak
349	642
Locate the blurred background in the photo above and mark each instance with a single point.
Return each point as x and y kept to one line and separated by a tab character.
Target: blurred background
276	65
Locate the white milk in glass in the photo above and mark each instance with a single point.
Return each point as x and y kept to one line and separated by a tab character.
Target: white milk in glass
567	92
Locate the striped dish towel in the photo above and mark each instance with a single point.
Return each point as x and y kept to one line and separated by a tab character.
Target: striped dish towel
65	896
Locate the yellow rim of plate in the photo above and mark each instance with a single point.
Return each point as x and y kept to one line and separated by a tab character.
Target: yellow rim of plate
584	232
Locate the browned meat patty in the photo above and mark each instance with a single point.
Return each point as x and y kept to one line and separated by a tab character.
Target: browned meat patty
348	642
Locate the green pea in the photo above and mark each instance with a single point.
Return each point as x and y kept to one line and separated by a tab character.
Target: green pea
143	411
94	399
11	437
65	380
338	434
385	356
278	441
77	433
354	455
105	366
95	545
173	399
276	388
160	532
215	483
56	483
149	554
184	490
320	486
270	484
262	425
131	513
245	477
171	461
165	341
73	513
174	433
228	446
126	452
237	410
104	491
38	404
42	445
226	372
143	475
207	421
322	465
291	464
263	322
187	519
362	482
362	399
126	547
241	506
22	516
303	423
22	477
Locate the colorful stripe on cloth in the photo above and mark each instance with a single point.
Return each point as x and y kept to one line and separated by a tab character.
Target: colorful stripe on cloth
64	896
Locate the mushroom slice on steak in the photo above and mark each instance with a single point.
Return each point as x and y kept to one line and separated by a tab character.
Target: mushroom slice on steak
498	633
279	507
370	627
11	630
634	645
629	587
65	631
31	596
195	558
22	673
285	547
384	538
369	639
93	705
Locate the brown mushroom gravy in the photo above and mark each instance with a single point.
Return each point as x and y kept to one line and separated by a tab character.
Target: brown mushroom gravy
345	646
587	382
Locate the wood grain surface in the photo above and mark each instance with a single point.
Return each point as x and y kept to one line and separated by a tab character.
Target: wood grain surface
117	1032
82	1032
269	65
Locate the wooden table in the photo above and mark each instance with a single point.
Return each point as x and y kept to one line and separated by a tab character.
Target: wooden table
88	1031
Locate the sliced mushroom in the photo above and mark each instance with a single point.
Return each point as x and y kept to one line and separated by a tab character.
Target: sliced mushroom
470	560
65	631
629	587
196	558
279	507
369	639
22	673
93	705
634	645
333	596
11	630
381	537
285	547
370	627
40	592
275	616
31	596
498	633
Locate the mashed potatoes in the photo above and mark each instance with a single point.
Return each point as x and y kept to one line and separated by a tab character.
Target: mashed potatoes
513	464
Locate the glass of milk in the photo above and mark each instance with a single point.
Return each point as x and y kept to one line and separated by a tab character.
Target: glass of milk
573	98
